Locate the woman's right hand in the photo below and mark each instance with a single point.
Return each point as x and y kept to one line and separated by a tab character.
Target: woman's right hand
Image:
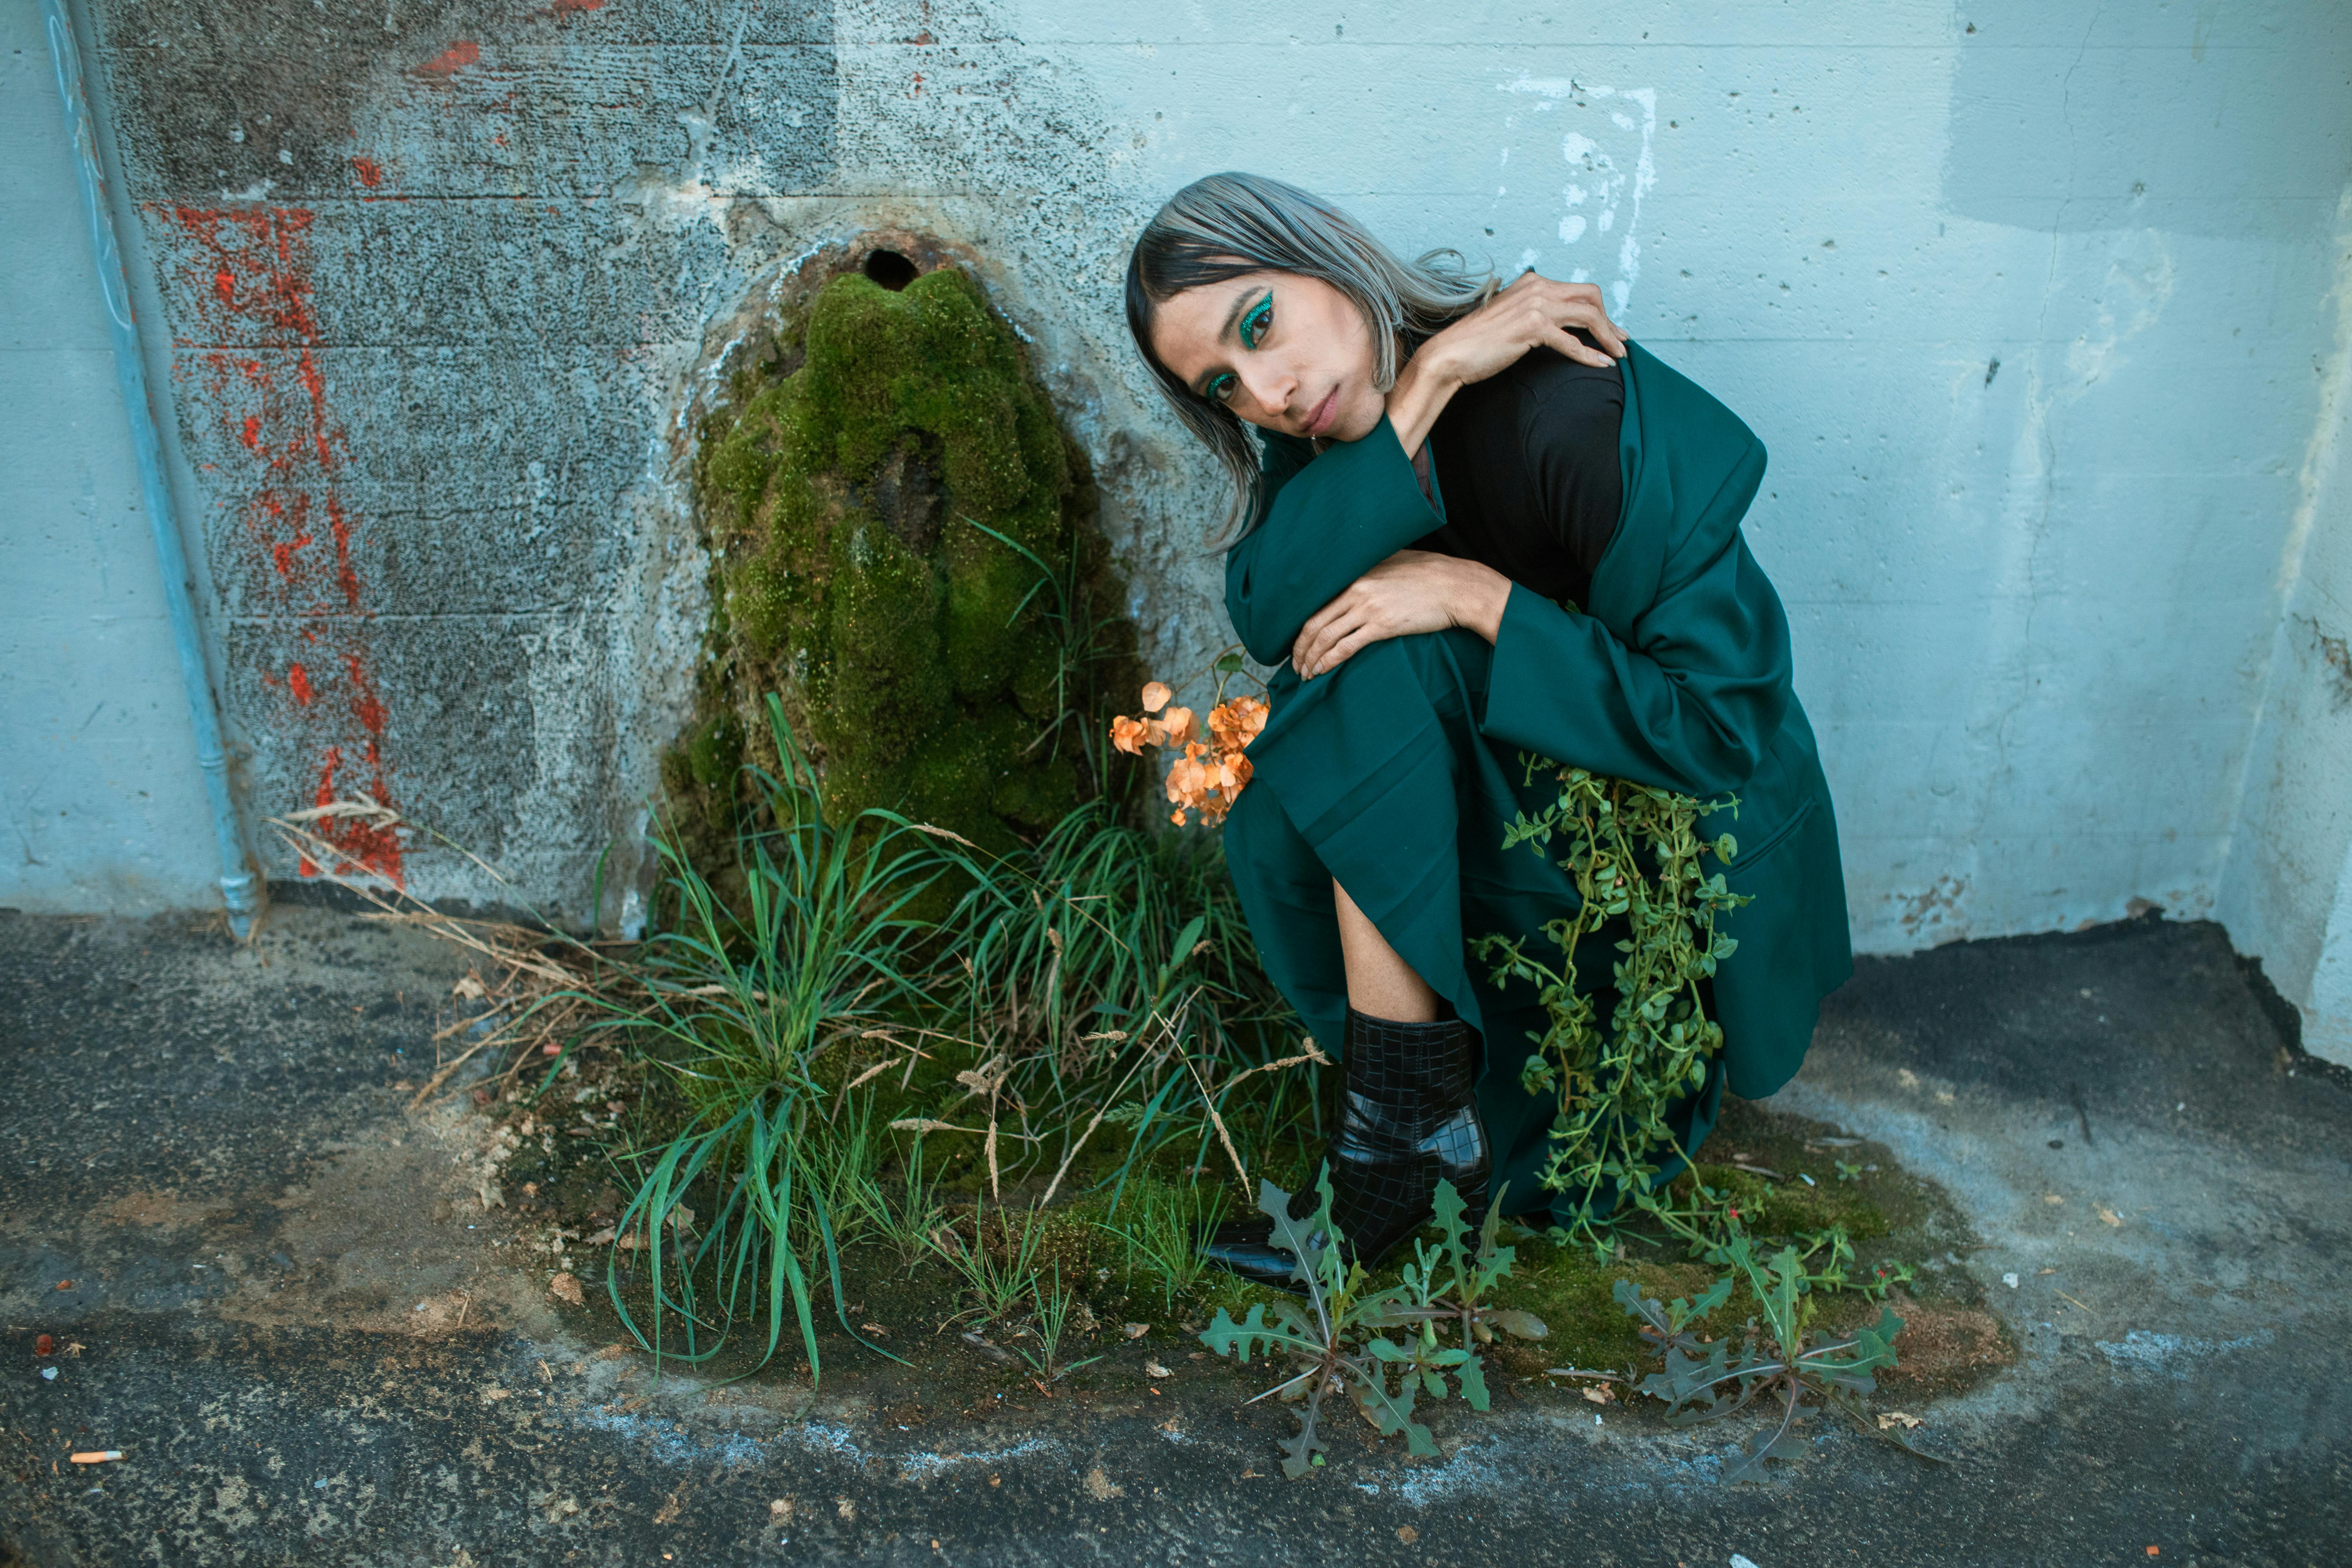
1531	311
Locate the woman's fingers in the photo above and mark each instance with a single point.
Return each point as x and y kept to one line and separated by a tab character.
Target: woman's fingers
1572	304
1574	347
1412	591
1368	624
1335	621
1346	649
1593	315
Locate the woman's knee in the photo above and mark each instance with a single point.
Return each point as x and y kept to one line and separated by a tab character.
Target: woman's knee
1448	666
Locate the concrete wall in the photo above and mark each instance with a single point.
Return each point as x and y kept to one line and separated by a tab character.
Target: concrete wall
2286	893
2029	301
104	807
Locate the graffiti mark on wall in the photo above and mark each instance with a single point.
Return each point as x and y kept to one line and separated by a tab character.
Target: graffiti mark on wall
1576	161
246	282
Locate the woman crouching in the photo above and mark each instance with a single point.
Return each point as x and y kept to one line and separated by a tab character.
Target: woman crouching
1473	523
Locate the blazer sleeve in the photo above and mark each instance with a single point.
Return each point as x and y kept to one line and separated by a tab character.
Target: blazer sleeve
1689	702
1324	523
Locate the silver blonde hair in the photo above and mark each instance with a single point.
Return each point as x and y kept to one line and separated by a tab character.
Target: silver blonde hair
1226	226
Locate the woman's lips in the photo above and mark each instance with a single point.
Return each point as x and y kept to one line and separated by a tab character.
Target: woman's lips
1325	412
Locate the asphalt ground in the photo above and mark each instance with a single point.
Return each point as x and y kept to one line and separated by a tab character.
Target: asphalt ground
282	1295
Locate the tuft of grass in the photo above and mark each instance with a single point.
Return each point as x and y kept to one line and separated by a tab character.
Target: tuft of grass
1000	1269
907	1218
1050	1324
1104	1002
1162	1239
741	998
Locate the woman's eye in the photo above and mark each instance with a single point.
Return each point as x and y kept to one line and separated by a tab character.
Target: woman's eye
1221	387
1254	324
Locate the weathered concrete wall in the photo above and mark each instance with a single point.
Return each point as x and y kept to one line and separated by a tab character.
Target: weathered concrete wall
2286	896
105	809
2027	302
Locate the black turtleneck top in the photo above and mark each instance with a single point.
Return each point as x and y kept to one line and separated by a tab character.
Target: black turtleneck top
1528	476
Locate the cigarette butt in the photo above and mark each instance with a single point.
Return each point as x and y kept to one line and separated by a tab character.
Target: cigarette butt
97	1455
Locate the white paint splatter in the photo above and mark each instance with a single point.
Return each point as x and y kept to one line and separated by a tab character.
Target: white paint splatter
1611	157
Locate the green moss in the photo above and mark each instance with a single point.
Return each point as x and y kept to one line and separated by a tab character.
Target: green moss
1790	1207
1575	1296
850	489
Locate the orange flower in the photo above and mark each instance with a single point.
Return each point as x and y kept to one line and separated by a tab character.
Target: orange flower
1237	723
1212	772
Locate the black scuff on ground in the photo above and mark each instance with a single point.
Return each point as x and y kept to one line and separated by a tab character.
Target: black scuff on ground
290	1302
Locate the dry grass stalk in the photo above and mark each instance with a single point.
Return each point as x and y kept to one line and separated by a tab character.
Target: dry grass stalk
539	992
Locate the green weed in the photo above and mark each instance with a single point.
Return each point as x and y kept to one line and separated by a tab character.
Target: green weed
1335	1333
998	1270
907	1219
1162	1242
1050	1325
1702	1380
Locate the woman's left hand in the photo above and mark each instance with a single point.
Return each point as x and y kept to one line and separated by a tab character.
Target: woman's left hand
1412	591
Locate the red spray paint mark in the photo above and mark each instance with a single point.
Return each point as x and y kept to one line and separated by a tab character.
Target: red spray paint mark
453	60
247	281
363	844
366	705
370	172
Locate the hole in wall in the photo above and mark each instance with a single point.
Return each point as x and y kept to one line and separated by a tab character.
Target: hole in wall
889	270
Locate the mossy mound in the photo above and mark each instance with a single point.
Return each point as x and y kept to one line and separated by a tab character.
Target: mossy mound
909	557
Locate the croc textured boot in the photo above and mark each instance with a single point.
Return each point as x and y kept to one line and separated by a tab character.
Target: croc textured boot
1409	1117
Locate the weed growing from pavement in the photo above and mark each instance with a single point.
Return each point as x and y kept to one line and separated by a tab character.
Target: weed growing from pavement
1336	1333
1778	1359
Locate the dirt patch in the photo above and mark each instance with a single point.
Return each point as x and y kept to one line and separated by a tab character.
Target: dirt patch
163	1211
1945	1350
403	1234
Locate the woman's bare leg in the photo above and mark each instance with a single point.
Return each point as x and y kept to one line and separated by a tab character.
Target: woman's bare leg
1379	983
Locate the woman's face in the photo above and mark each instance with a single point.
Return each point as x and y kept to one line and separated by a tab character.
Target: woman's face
1283	352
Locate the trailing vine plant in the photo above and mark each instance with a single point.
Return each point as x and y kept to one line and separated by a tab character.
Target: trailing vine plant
1636	857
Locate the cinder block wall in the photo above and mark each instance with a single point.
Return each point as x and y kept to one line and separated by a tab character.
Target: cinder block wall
2034	306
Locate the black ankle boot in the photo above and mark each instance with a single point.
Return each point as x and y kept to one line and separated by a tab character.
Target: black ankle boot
1410	1116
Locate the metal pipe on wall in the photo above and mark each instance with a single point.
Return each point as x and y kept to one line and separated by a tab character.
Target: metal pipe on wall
240	889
